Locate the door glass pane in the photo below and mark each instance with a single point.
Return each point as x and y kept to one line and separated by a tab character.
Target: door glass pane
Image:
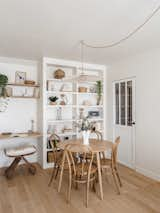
129	103
117	103
123	103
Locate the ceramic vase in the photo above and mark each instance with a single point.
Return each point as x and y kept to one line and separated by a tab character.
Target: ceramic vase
86	135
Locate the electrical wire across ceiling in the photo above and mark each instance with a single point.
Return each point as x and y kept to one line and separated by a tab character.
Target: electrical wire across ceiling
129	35
84	77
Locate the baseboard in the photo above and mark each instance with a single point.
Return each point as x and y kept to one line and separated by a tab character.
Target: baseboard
148	173
143	171
125	164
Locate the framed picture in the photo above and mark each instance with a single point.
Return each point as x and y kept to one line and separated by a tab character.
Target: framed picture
20	77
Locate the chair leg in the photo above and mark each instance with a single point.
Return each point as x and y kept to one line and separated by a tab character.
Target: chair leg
52	176
56	173
9	172
76	183
118	177
115	180
87	193
70	179
94	185
61	174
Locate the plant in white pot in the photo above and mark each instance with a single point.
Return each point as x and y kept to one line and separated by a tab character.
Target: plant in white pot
3	84
3	92
53	100
86	126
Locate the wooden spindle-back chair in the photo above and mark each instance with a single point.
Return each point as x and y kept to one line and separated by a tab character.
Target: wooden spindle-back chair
57	155
112	164
80	172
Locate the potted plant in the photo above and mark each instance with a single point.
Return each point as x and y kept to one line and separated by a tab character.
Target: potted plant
3	84
53	100
99	92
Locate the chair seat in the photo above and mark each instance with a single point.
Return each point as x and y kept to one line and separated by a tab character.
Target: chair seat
20	151
85	169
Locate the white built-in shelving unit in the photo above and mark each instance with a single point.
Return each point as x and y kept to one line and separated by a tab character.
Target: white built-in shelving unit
71	111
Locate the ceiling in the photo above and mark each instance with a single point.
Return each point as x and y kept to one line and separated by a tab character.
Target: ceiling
31	29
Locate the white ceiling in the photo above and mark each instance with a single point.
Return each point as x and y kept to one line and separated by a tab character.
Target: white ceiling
31	29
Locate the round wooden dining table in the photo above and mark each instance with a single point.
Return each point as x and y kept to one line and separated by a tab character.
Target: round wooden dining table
97	147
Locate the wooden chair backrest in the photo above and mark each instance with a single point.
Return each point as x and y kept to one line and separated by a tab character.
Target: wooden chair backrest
98	134
53	139
115	151
73	149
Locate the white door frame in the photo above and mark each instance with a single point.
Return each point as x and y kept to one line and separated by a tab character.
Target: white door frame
133	79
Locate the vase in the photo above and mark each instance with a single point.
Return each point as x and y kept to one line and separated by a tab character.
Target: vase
86	135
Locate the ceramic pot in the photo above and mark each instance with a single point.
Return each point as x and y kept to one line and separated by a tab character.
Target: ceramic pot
53	103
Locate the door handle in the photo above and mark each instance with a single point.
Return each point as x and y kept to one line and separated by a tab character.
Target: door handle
133	123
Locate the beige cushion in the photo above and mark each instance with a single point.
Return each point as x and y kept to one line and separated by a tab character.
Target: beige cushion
20	151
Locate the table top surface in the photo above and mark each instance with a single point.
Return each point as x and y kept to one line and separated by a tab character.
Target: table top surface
20	135
96	145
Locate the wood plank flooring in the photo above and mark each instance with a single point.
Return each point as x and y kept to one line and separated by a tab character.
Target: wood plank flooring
30	194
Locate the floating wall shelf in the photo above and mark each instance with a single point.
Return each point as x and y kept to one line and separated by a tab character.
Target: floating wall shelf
23	85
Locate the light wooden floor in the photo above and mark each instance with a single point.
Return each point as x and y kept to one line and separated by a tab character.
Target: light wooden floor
31	194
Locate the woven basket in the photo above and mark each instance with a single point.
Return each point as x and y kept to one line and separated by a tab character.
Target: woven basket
50	157
59	74
82	89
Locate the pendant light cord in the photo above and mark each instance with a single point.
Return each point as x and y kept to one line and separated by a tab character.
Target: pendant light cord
82	57
83	43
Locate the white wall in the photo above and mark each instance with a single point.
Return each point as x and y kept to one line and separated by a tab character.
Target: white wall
146	68
20	111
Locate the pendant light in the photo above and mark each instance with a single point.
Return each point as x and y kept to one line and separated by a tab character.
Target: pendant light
83	76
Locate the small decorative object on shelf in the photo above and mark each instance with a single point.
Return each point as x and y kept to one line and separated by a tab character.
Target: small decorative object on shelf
82	89
53	100
32	127
81	113
65	88
64	100
9	91
86	103
93	113
92	89
29	82
99	92
20	77
66	129
59	114
59	74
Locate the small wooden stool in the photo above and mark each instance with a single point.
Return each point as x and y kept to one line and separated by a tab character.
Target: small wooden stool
19	154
